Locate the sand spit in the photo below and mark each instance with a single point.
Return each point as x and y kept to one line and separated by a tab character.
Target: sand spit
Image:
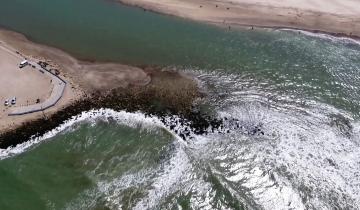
89	76
89	86
153	99
337	17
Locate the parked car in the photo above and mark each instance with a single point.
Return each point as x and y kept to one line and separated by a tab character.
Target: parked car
6	103
13	101
23	63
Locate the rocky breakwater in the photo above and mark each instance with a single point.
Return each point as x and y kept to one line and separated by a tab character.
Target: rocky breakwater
173	97
170	95
168	92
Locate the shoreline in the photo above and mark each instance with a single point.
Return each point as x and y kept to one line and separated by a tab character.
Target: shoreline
143	87
171	96
98	85
248	15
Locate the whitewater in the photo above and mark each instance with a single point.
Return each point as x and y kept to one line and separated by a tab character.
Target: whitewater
307	159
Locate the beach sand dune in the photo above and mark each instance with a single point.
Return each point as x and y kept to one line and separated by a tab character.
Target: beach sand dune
330	16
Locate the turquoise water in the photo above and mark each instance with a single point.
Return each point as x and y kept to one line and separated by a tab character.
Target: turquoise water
302	90
104	30
81	168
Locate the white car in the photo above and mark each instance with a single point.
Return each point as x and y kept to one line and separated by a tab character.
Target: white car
13	101
6	102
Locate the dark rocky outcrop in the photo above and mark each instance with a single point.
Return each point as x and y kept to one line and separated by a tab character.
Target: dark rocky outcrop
168	95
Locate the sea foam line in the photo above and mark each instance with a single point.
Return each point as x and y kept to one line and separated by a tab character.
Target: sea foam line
136	119
341	39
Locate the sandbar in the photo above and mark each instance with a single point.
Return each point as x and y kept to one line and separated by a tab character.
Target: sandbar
338	17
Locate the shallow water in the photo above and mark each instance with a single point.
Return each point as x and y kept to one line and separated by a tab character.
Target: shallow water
302	90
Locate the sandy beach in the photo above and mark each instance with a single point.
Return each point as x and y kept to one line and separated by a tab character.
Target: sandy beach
339	17
88	85
28	84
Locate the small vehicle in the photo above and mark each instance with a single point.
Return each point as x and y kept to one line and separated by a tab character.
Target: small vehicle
23	63
6	103
13	101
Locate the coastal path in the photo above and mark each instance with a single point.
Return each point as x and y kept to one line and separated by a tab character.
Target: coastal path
56	94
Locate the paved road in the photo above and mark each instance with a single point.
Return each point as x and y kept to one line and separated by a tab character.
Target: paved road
56	94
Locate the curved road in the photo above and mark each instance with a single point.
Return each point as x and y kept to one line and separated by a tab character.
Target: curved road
56	94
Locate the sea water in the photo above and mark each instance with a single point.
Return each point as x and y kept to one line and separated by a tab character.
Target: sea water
302	90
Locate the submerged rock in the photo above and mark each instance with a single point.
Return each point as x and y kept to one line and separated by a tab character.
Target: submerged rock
342	124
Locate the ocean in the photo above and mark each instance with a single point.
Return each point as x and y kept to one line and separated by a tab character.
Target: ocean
302	89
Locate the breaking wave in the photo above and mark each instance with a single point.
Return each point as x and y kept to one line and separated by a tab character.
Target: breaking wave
307	159
125	118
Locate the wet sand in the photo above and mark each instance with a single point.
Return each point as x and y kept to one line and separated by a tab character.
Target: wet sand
339	17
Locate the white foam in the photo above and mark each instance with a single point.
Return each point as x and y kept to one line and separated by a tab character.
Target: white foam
301	162
341	39
277	169
168	180
122	117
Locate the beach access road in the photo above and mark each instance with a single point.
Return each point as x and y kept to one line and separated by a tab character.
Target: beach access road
59	86
29	84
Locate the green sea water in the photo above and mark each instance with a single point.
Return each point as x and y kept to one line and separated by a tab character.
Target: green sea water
81	168
302	88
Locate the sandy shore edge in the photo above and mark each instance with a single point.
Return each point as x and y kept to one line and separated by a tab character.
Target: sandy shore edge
95	85
246	13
